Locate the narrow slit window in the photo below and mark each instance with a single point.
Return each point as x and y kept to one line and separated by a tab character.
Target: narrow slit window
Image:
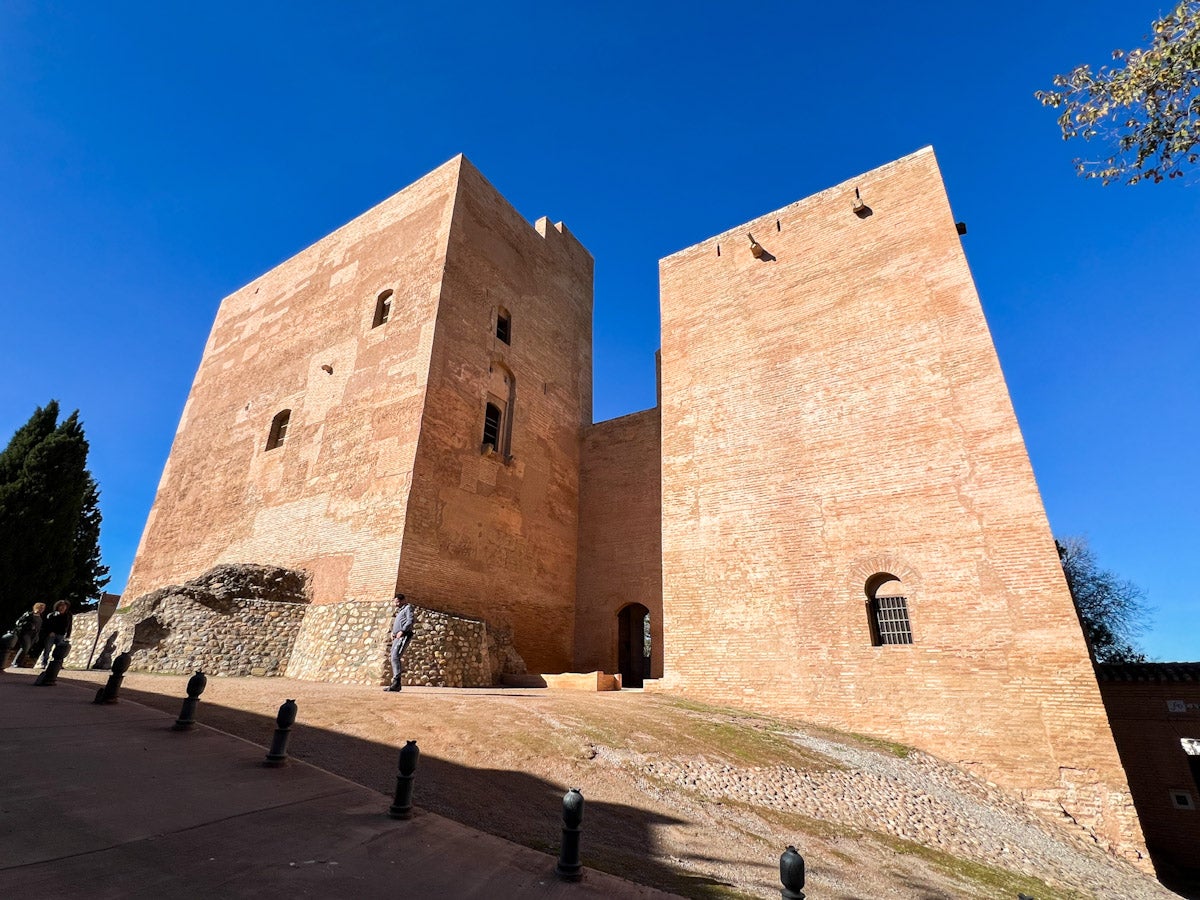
492	417
383	308
504	325
279	428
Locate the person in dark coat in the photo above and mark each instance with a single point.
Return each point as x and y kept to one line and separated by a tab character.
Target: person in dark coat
56	629
27	629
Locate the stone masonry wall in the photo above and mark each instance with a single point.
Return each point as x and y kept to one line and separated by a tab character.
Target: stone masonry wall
349	643
255	620
232	620
340	643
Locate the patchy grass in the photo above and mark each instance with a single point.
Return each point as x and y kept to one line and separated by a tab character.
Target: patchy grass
995	881
746	738
798	823
883	745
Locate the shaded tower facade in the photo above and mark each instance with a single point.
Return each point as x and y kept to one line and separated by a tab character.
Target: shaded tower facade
396	407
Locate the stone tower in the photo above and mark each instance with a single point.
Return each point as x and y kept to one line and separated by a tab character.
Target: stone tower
397	407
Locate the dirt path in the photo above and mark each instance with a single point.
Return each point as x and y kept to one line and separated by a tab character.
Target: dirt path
692	799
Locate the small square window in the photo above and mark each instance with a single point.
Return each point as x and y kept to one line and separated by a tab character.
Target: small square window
1183	800
504	326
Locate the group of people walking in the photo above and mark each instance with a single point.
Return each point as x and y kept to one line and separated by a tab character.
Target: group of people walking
37	632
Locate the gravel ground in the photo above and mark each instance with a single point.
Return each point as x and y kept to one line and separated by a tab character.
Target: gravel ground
692	799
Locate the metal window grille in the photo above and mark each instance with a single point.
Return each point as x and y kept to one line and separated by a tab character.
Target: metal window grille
891	620
491	426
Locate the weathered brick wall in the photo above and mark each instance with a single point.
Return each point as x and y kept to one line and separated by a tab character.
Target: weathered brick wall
620	538
330	500
489	537
1151	707
833	410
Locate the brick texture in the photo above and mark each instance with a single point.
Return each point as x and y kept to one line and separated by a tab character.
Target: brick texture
620	538
832	410
1149	717
380	483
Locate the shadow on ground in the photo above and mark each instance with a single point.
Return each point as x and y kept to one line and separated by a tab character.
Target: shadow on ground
617	838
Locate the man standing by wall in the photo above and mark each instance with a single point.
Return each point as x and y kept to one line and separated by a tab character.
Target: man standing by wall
402	631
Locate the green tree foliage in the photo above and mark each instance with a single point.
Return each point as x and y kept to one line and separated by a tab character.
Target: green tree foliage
49	516
1147	108
1112	610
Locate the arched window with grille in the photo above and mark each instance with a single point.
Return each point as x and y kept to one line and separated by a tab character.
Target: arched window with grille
887	610
279	427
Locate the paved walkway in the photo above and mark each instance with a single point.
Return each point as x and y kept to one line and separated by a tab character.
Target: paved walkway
108	801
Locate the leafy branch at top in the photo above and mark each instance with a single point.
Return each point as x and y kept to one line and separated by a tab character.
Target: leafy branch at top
1147	109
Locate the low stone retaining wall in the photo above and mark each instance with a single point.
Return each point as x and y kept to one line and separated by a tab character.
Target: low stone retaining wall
344	643
255	620
349	643
232	620
447	651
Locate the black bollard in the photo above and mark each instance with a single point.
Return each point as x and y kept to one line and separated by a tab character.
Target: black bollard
49	675
108	693
277	755
187	713
569	867
791	873
402	806
6	645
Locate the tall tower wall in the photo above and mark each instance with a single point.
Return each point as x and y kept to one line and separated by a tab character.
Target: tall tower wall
332	497
493	533
835	421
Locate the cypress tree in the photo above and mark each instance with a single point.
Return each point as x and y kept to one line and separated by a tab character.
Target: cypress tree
49	516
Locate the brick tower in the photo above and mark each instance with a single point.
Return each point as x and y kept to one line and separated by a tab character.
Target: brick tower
396	407
851	531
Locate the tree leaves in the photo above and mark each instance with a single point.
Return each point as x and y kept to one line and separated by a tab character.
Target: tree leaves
49	516
1112	610
1148	110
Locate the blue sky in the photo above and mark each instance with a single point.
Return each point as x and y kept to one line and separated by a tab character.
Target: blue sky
156	157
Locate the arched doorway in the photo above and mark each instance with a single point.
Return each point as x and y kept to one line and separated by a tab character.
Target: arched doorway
633	644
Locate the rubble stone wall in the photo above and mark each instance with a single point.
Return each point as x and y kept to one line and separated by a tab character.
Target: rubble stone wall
255	620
